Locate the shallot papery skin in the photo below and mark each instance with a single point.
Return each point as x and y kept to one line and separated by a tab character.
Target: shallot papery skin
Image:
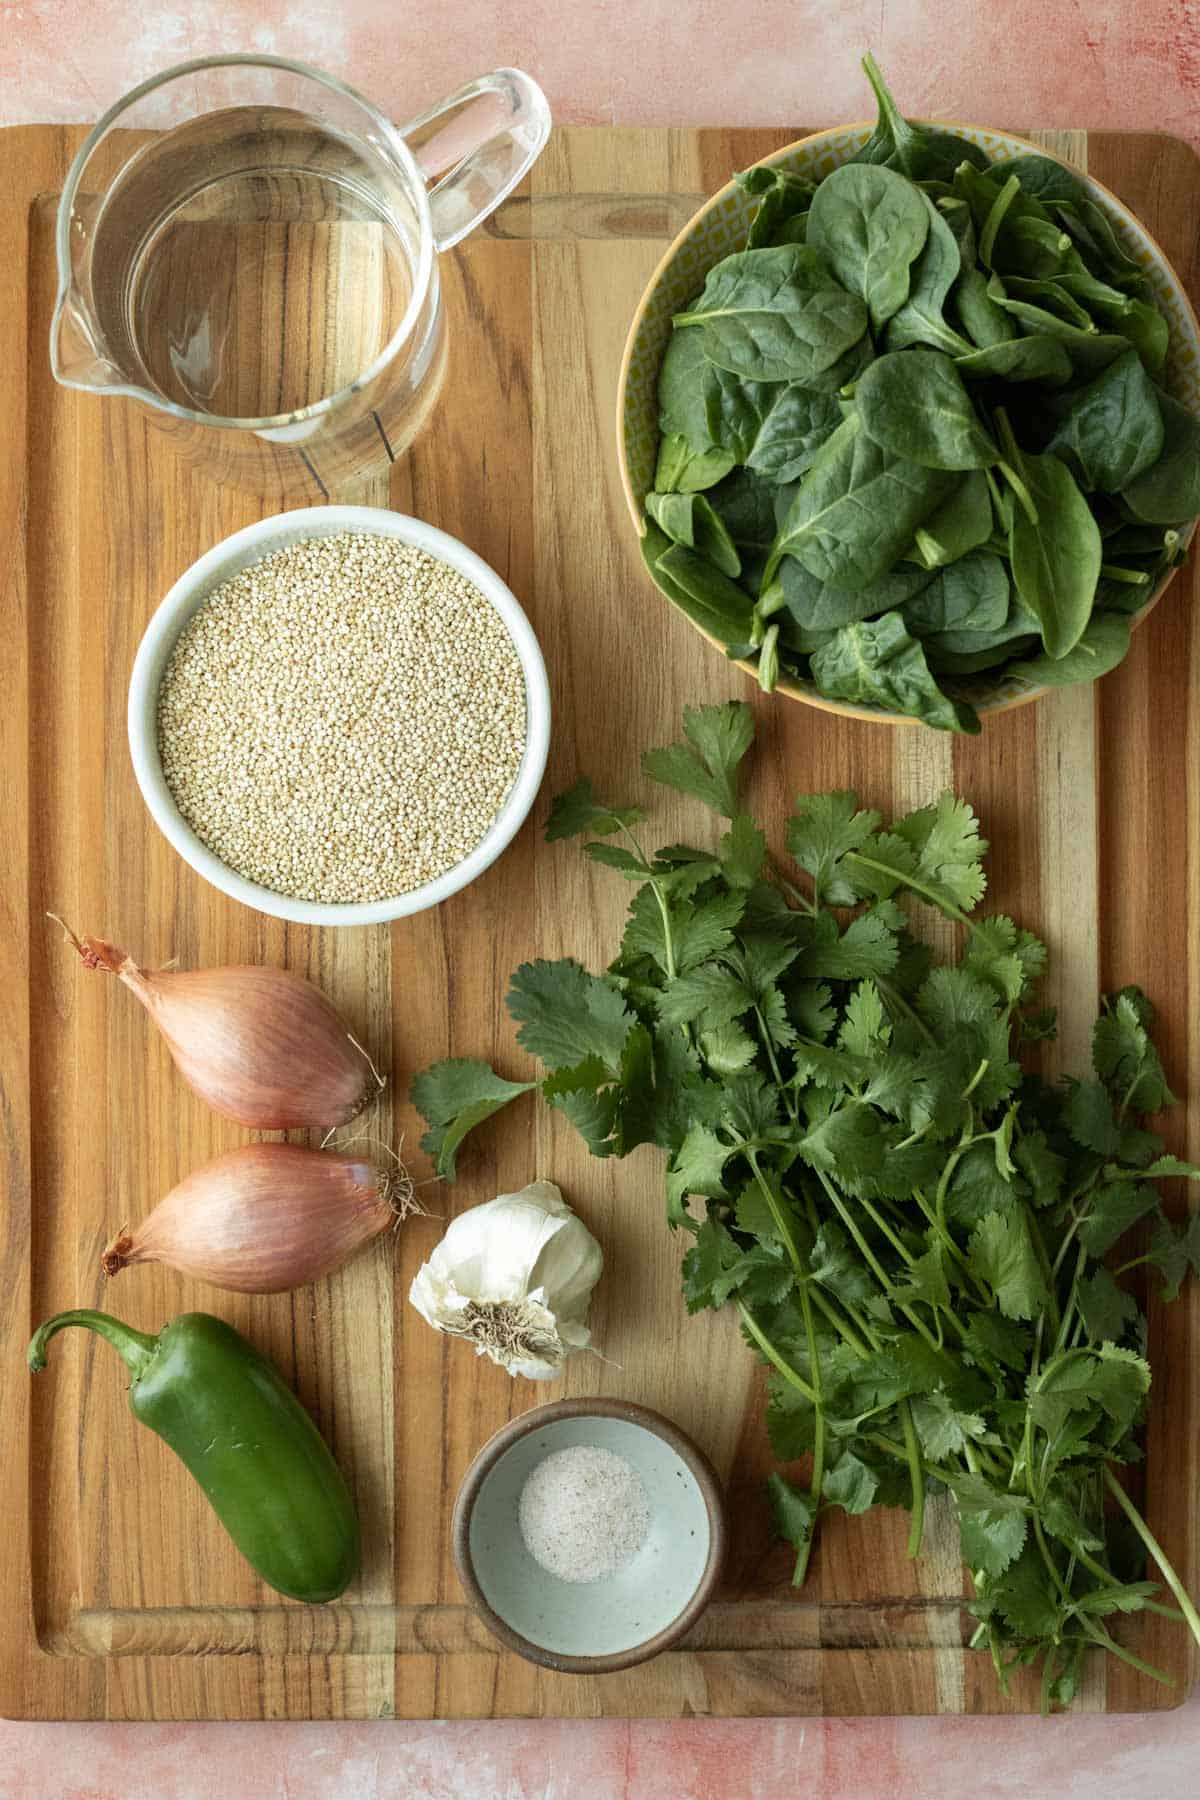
266	1218
260	1045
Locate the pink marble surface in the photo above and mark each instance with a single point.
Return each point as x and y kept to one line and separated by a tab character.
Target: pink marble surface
1114	63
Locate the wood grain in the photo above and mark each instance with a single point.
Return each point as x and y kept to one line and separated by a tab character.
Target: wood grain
120	1596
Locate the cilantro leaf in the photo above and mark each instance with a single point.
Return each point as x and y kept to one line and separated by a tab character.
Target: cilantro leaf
1106	1309
587	1098
1124	1057
566	1014
990	1338
821	831
943	1430
1114	1209
949	852
743	849
727	1048
580	809
1088	1115
792	1512
706	766
1001	1253
851	1485
698	1167
865	1028
453	1097
992	1525
710	994
700	932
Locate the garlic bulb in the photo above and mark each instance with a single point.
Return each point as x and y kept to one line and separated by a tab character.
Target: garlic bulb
514	1276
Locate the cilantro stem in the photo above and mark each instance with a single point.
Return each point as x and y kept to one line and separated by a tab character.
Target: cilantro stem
1072	1300
818	1468
772	1355
664	909
896	999
1099	1636
1109	1579
916	1529
914	885
872	1261
782	1224
839	1324
1156	1551
791	890
789	1098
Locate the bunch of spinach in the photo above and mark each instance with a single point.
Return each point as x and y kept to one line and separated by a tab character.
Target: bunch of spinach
914	1232
917	362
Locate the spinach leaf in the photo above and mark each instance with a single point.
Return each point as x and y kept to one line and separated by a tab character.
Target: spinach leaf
1089	351
1001	212
700	591
870	224
919	153
877	663
1055	559
1034	248
995	654
857	509
914	404
961	523
959	642
1168	493
682	470
1111	430
736	409
1064	194
792	432
1138	320
1053	295
745	504
683	392
922	320
814	605
783	198
689	519
984	322
1042	359
1102	646
971	595
774	315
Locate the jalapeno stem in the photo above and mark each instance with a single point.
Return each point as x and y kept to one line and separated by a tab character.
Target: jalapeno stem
134	1347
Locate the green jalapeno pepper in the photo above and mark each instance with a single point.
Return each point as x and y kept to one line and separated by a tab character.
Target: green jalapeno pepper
229	1417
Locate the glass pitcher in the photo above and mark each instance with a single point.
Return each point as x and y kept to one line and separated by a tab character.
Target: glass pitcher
262	274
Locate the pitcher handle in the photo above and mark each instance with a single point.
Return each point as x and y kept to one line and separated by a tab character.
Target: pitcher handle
499	129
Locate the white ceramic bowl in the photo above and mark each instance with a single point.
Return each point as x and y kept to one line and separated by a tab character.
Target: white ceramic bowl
591	1627
229	558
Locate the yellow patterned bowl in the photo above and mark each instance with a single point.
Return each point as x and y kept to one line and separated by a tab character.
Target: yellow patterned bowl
720	226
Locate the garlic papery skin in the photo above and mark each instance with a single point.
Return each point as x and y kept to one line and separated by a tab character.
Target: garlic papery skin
514	1277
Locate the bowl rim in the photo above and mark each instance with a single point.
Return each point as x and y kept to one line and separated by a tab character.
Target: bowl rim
630	1413
184	598
846	709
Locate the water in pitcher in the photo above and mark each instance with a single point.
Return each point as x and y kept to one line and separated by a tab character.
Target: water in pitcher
272	274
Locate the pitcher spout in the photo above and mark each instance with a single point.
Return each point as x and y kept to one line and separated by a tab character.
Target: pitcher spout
76	356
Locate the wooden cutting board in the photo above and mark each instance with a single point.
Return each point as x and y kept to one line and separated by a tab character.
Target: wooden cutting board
121	1597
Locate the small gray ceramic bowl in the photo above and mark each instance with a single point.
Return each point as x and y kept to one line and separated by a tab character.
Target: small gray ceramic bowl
591	1627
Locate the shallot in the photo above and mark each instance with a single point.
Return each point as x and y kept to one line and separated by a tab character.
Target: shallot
261	1045
267	1217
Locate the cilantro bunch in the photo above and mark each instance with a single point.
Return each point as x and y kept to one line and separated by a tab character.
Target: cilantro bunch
916	1234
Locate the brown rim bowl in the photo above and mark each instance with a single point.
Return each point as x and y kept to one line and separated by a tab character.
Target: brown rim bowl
512	1581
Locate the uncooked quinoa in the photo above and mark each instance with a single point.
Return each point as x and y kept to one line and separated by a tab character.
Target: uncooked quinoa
583	1513
343	720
